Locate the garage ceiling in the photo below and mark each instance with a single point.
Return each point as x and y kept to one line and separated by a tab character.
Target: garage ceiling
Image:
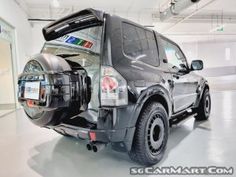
101	4
194	21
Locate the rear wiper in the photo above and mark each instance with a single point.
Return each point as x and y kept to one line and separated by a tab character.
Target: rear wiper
68	55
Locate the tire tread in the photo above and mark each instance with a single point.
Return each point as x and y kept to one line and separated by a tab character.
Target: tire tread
137	152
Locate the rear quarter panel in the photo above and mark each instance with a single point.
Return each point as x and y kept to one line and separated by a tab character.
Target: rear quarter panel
142	78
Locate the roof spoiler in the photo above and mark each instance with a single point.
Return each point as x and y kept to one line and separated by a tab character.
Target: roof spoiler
71	23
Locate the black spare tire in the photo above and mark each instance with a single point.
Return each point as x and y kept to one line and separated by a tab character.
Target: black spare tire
51	90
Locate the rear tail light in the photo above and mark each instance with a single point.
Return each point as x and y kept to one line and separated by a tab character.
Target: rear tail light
92	136
109	83
113	88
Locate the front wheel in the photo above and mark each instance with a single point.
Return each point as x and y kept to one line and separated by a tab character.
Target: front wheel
204	109
151	135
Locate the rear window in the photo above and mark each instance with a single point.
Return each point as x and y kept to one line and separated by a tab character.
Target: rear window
140	44
86	40
82	47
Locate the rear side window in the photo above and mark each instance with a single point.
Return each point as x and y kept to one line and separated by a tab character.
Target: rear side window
140	44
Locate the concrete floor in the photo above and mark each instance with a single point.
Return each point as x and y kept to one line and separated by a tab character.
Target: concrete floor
29	151
5	112
223	83
6	109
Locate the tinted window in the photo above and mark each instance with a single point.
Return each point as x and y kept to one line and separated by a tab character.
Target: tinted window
140	44
174	55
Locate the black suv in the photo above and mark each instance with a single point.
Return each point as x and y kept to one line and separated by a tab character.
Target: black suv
108	80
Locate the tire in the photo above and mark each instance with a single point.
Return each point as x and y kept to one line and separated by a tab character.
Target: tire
151	135
204	109
61	99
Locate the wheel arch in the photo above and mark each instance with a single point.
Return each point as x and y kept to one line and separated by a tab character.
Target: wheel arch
157	98
154	94
204	86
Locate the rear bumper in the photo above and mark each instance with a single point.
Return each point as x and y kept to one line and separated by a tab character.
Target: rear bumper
121	138
113	125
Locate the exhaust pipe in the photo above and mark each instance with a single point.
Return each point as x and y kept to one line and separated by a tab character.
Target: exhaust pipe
89	146
98	147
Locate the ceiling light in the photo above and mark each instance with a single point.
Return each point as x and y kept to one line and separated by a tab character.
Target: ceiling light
55	3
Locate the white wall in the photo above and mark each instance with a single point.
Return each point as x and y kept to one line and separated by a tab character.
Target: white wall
214	54
37	36
15	16
11	13
6	96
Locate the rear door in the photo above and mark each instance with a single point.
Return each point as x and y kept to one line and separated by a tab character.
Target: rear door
78	39
184	85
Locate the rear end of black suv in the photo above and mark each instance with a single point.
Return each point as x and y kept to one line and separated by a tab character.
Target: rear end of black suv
72	88
105	79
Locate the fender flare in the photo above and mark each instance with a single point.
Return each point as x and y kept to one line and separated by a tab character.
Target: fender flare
202	87
156	91
148	95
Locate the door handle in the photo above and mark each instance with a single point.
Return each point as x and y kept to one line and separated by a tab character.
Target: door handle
175	76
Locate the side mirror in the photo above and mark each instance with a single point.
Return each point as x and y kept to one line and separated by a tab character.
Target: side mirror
196	65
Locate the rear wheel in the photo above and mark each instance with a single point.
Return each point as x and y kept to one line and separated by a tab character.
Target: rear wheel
204	109
151	135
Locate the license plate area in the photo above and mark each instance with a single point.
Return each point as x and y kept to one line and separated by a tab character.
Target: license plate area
32	90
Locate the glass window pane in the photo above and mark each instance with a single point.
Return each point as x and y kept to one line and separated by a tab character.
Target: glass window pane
174	55
140	44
